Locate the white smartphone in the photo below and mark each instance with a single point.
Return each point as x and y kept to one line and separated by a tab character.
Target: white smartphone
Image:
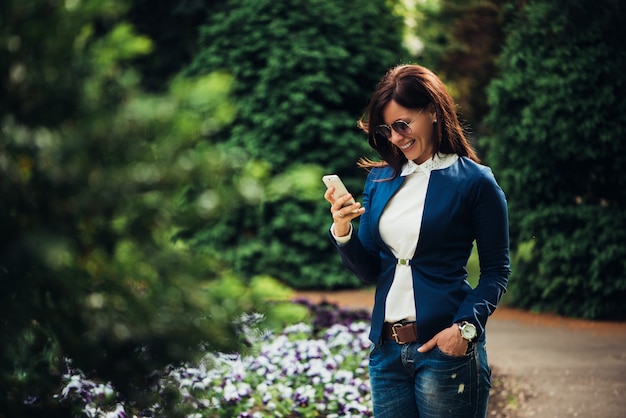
333	180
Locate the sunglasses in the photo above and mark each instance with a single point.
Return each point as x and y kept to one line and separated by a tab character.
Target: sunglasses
399	126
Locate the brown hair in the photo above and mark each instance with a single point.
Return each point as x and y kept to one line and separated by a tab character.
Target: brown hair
413	87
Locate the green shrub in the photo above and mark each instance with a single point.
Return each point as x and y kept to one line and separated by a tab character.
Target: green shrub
558	120
91	195
303	73
573	274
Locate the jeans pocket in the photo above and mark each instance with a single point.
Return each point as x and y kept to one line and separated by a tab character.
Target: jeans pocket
443	354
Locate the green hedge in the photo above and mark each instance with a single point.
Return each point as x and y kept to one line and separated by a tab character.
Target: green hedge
575	264
303	73
558	124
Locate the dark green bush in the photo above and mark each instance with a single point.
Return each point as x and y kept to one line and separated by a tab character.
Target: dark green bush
303	73
91	192
575	264
173	28
559	120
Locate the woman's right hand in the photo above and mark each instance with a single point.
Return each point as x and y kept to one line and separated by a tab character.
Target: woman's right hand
342	215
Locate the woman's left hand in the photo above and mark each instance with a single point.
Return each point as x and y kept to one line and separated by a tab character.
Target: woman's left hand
449	341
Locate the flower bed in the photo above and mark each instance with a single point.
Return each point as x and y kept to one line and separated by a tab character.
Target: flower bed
317	369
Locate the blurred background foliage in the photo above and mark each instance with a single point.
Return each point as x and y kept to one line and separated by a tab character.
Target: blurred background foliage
558	123
303	71
96	179
160	164
461	40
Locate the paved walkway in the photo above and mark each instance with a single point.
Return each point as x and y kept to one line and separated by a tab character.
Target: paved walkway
569	368
563	367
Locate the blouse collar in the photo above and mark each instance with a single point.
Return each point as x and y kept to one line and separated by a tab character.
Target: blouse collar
437	162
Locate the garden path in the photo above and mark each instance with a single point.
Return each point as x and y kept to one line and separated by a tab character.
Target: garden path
557	367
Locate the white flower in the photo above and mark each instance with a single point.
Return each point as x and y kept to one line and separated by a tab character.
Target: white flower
117	413
74	384
230	393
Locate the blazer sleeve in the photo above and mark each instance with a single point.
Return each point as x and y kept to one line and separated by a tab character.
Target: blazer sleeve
490	221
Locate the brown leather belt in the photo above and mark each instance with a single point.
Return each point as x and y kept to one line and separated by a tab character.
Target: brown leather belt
400	332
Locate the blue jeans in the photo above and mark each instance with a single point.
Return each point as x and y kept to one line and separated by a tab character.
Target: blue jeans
406	383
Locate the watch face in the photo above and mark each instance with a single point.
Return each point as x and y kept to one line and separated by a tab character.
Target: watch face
468	331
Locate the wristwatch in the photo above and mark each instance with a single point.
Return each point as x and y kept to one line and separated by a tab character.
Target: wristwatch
468	330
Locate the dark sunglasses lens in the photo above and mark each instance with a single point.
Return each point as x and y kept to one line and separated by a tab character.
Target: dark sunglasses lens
401	127
384	131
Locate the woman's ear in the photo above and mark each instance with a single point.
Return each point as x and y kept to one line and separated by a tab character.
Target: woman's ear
433	112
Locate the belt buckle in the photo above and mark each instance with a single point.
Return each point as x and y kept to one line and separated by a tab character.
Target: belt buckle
394	333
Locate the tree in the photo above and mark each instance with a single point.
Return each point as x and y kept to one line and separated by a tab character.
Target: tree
173	29
461	42
91	197
558	122
303	72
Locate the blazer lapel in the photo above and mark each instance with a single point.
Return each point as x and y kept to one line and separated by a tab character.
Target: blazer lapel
438	206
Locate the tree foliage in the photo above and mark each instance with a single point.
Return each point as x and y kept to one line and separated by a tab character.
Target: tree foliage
95	178
461	42
558	118
172	26
303	73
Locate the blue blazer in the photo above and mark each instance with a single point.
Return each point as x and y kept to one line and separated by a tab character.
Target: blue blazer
463	204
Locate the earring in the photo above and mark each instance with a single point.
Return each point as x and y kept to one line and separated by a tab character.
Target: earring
435	121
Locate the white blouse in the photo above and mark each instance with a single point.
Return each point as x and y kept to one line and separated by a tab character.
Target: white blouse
399	227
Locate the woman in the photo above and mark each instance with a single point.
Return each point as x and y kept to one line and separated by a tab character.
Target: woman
424	205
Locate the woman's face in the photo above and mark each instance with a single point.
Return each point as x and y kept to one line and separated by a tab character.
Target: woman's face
417	145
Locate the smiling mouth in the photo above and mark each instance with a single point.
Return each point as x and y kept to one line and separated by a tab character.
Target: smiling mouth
407	145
